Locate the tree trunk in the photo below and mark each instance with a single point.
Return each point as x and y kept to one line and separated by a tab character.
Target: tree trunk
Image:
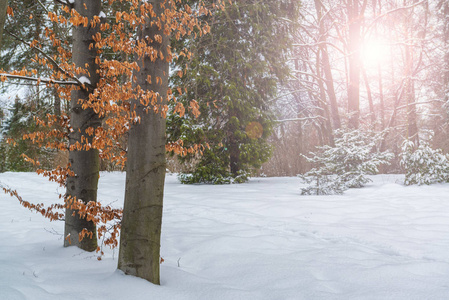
57	99
327	68
412	127
372	113
446	50
234	145
234	156
85	164
381	98
354	19
379	74
322	104
3	7
139	253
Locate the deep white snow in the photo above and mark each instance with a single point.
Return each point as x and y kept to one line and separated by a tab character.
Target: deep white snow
260	240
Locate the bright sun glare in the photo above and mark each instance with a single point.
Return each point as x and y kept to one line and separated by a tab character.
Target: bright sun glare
374	52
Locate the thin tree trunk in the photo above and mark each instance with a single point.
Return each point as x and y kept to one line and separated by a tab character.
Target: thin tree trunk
322	104
379	74
327	68
56	104
412	127
85	164
330	89
354	19
391	122
139	253
381	98
3	7
234	150
446	50
57	99
370	99
445	7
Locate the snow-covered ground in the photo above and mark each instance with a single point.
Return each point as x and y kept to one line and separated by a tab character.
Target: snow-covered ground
260	240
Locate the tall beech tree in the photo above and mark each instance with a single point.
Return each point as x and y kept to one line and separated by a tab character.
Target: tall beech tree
84	163
81	76
142	216
145	168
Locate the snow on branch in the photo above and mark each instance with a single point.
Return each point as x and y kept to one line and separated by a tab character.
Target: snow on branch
39	80
69	3
299	119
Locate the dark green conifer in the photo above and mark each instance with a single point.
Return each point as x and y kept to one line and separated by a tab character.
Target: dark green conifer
234	72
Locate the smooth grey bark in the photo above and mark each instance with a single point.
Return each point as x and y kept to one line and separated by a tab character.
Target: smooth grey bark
85	164
3	7
139	253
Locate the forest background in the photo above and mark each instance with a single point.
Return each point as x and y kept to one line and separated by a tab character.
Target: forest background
273	81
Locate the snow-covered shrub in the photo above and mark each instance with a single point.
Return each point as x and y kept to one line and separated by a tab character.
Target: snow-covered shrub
345	165
423	165
207	175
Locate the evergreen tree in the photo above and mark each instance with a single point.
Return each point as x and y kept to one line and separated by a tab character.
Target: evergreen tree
234	72
424	165
21	122
29	25
345	165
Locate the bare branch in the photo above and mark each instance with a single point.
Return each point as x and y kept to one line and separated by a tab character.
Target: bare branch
419	103
43	80
42	5
320	43
393	11
300	119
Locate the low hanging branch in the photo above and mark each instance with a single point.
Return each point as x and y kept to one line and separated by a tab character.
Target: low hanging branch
33	45
3	77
